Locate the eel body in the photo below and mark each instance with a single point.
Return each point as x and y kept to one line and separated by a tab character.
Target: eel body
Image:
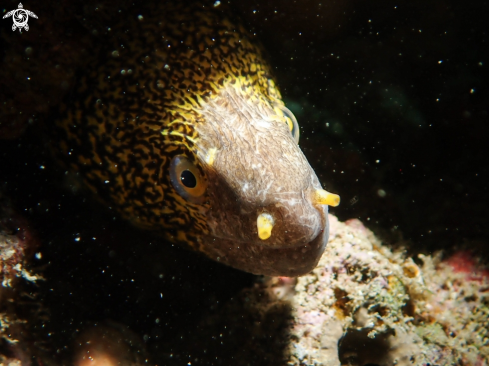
180	127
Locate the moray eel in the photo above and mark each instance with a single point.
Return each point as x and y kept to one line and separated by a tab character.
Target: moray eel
179	126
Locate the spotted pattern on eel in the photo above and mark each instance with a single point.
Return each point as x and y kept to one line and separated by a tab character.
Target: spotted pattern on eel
179	126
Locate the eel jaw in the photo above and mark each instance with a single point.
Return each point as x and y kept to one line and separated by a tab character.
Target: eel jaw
270	261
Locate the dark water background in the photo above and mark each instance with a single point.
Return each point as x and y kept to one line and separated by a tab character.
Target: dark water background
392	99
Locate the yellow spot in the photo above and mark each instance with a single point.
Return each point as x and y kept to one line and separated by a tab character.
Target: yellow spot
211	156
323	197
264	222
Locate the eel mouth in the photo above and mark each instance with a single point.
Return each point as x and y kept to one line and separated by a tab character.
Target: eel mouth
258	259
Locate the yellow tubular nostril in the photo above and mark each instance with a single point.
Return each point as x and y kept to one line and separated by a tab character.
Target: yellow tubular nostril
264	223
323	197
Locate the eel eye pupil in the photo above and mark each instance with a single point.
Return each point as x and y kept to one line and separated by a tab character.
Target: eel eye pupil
188	179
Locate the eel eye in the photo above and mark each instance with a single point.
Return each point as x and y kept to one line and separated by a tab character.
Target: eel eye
187	179
291	121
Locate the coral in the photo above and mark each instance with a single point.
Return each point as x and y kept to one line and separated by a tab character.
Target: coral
15	241
457	314
11	258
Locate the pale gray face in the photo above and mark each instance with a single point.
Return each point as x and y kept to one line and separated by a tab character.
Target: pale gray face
255	169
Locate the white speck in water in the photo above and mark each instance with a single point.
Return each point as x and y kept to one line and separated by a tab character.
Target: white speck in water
217	3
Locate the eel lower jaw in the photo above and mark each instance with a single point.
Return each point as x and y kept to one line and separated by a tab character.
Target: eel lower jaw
262	260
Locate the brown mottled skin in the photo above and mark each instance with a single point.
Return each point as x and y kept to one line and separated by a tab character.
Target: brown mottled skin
184	81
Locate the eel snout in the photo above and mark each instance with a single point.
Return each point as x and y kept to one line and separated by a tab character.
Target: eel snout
283	238
294	245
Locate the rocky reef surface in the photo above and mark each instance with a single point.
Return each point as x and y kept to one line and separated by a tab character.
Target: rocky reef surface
16	243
